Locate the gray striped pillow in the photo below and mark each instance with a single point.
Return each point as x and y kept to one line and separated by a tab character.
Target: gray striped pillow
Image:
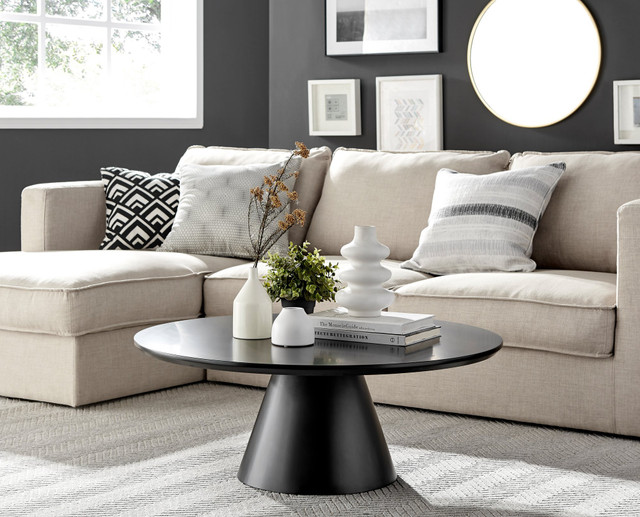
484	222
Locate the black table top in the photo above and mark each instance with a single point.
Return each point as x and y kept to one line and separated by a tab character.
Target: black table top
208	343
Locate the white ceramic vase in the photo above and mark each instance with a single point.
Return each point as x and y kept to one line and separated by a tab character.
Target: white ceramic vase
252	310
364	295
292	327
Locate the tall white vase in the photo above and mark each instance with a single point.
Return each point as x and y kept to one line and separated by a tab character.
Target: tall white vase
252	310
364	296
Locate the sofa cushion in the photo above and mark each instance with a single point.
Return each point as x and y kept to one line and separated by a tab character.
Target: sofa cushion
72	293
578	230
391	191
568	312
140	208
484	222
308	186
221	288
213	210
219	263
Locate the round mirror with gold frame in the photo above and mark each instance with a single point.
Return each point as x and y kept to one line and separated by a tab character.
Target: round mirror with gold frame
534	62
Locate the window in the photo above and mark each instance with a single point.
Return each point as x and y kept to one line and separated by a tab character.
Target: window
101	63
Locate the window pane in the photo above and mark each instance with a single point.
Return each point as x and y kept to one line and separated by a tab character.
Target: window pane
18	63
75	66
138	11
136	68
19	6
84	9
74	70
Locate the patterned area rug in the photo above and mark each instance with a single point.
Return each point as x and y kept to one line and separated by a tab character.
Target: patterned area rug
177	451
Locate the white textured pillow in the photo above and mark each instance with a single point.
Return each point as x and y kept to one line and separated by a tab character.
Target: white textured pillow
212	212
484	223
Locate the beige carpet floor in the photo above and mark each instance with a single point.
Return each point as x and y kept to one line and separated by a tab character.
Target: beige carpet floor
177	451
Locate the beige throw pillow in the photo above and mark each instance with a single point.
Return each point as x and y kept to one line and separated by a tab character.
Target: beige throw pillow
308	186
484	223
212	215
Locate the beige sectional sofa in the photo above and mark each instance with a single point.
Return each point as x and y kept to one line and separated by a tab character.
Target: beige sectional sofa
571	328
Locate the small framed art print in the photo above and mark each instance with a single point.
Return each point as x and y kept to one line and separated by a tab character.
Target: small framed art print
334	107
409	113
355	27
626	112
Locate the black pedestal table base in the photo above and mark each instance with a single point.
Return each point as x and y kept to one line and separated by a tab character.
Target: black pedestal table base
317	435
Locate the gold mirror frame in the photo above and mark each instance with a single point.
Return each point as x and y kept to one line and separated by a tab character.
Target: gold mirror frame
591	44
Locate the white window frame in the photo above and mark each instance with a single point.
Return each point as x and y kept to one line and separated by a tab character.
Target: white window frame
30	117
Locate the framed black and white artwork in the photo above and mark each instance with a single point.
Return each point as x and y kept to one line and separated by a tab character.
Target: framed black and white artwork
334	107
355	27
626	112
409	113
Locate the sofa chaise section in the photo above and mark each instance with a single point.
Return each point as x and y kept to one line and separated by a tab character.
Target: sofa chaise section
68	320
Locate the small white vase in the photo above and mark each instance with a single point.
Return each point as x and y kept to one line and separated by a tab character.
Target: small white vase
364	295
252	310
292	327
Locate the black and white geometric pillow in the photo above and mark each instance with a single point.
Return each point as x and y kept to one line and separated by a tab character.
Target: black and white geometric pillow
140	208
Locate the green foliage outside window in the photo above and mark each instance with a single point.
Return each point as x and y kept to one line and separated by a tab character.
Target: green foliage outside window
19	41
18	61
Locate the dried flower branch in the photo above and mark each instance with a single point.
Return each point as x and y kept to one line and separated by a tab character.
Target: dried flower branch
267	206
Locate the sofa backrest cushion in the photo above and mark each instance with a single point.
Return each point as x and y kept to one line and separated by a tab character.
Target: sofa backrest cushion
308	185
391	191
578	229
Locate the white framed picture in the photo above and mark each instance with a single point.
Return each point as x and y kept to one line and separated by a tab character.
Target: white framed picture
356	27
334	107
626	112
409	113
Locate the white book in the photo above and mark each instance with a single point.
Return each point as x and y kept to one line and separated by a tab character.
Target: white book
358	346
386	323
378	338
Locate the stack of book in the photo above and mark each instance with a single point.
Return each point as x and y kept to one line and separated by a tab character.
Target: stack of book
407	331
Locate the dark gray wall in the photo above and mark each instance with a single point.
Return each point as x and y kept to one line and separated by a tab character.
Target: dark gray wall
235	113
297	54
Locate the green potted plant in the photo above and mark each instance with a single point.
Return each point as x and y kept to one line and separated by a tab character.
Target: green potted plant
300	278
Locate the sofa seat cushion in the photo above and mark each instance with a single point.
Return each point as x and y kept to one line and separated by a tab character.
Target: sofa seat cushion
72	293
221	288
568	312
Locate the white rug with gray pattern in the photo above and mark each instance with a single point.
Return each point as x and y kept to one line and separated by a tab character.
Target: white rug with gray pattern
177	451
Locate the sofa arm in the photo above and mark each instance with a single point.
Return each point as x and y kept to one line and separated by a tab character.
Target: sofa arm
63	216
627	338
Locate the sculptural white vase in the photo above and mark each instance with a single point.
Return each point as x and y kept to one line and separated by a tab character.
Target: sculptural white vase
252	310
364	296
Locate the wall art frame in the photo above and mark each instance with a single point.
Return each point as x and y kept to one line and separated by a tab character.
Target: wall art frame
626	112
409	113
334	107
355	27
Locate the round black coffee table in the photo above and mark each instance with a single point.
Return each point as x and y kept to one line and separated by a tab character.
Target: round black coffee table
317	431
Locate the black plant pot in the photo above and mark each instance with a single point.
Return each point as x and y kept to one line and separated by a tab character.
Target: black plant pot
308	306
